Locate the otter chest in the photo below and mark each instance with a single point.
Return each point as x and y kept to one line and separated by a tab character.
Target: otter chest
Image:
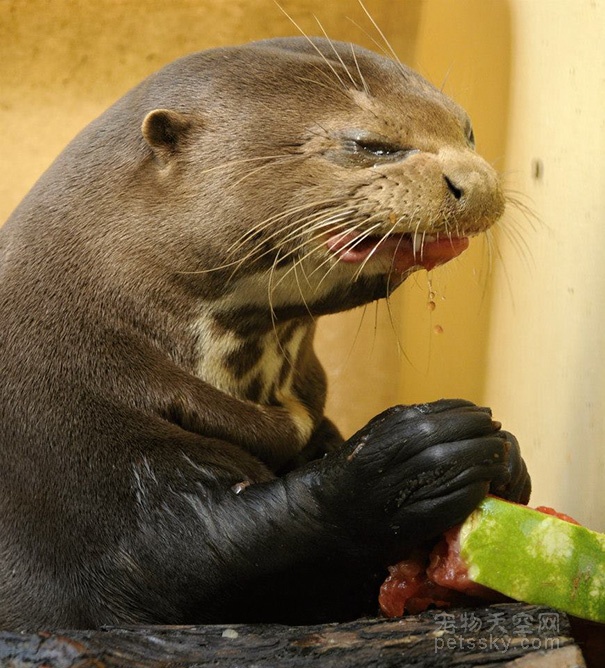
252	364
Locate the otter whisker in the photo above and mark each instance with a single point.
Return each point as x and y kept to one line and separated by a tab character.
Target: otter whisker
325	76
305	243
303	227
392	322
376	43
458	230
356	337
393	258
270	221
281	161
370	255
506	274
316	82
281	215
388	52
338	56
300	290
311	252
325	220
386	42
272	312
322	222
489	244
519	243
236	246
373	251
530	216
354	242
445	78
350	244
394	327
489	241
256	255
361	77
242	161
271	288
376	310
315	47
209	270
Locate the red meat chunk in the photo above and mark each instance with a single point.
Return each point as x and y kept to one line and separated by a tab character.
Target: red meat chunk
438	578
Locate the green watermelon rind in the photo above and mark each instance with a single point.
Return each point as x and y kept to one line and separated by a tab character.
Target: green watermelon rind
535	558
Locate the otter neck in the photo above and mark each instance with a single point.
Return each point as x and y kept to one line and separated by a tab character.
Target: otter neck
251	363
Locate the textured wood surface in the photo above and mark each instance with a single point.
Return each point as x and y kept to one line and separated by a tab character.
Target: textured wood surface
515	635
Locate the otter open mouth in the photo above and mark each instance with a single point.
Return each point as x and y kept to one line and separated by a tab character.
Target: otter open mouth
401	251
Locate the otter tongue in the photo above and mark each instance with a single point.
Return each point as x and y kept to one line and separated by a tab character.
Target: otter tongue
397	249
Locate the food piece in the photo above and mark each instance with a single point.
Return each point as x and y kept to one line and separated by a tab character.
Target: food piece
562	516
536	556
408	588
448	570
438	578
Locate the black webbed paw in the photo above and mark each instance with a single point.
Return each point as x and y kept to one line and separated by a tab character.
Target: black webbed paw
518	487
414	471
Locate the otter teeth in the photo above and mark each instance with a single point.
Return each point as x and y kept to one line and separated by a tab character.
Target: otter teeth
418	241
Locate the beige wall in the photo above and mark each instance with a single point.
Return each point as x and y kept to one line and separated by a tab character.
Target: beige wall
522	324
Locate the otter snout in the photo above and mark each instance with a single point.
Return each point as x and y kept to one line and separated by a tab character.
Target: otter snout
472	189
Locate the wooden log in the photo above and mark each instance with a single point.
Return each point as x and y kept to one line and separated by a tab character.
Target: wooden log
513	635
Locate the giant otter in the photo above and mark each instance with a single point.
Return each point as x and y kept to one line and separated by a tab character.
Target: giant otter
165	457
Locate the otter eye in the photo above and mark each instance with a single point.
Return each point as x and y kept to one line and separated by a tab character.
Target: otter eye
377	148
372	148
363	148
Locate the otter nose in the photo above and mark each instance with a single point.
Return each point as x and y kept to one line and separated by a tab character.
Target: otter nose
456	191
470	187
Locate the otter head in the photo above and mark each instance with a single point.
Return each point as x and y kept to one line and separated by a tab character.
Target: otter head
316	175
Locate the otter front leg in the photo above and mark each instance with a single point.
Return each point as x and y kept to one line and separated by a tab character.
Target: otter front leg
273	434
278	547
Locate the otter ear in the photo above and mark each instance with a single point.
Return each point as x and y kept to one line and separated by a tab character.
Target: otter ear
164	130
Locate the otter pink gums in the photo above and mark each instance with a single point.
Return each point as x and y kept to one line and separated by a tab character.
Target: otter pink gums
165	454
